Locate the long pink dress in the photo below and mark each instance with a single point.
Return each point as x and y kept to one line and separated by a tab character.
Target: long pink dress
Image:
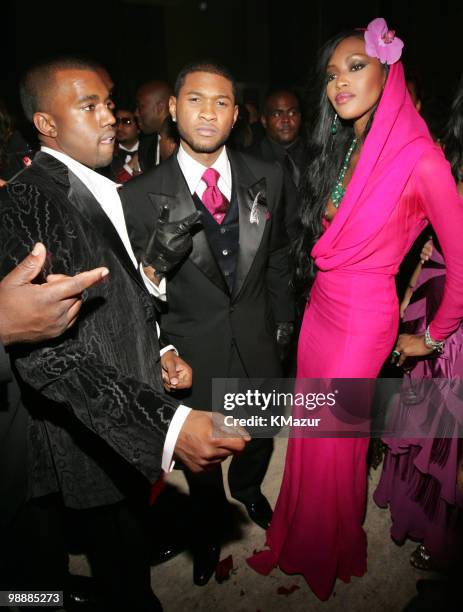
350	326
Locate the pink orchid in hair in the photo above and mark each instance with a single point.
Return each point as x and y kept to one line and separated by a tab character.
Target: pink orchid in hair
382	43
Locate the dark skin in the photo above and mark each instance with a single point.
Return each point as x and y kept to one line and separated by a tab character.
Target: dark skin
355	82
32	312
205	112
282	118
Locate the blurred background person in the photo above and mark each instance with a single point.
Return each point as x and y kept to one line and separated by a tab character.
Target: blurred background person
283	142
169	139
125	160
15	153
152	109
241	135
255	124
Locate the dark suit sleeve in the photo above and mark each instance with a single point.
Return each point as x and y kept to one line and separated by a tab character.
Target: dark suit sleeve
278	269
132	417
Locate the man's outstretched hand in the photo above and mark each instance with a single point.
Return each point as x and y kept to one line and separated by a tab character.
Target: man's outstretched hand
34	312
197	447
170	242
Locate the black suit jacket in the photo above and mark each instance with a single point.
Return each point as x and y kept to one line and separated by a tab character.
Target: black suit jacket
272	152
203	319
95	396
147	148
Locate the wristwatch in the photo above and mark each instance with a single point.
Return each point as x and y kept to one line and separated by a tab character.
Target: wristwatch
435	345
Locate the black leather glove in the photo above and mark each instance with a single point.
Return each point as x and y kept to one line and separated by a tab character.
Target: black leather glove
284	334
170	242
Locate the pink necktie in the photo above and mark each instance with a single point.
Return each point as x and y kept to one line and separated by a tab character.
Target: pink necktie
213	199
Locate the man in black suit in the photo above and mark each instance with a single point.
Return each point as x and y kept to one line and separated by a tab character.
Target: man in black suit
152	109
227	301
101	428
283	142
125	158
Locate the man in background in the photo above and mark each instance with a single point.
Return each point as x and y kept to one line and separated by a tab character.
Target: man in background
125	159
152	109
284	143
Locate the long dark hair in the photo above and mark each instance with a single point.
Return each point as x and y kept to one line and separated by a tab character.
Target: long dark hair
326	155
453	140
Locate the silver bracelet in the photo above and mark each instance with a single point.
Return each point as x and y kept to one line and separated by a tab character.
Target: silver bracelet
435	345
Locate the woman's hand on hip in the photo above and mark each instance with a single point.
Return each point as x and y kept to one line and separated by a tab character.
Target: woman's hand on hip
410	345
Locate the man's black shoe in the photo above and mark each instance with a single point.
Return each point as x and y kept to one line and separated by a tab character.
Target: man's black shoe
166	551
81	593
260	512
205	560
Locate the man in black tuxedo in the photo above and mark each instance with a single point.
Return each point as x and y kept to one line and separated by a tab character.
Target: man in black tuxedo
152	109
227	301
125	158
101	428
283	142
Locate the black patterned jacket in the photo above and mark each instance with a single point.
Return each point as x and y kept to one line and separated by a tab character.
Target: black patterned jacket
98	412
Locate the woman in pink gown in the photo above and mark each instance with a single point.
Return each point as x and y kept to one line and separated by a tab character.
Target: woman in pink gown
395	181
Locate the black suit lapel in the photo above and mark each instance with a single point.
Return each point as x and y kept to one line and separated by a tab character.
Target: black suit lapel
83	200
85	203
253	214
175	194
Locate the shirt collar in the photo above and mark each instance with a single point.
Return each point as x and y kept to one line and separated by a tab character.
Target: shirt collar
132	150
193	170
97	183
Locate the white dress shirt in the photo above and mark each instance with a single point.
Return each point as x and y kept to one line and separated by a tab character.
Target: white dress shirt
193	171
105	192
128	158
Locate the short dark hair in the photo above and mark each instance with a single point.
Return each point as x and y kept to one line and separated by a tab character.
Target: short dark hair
38	81
204	66
278	92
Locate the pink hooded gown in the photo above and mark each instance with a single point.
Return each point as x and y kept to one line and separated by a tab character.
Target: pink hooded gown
350	325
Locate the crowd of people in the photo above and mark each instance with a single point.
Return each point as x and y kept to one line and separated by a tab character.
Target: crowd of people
147	251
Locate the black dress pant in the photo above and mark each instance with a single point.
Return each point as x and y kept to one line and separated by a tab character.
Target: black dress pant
210	512
114	539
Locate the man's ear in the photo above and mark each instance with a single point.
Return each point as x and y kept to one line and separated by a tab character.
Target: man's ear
173	107
45	124
263	120
235	113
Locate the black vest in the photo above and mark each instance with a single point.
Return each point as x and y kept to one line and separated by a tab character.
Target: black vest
224	239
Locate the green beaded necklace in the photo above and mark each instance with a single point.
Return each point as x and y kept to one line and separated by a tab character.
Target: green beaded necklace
339	190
